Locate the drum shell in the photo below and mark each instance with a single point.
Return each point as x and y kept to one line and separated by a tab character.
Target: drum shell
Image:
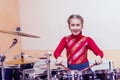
71	75
105	74
26	66
10	73
117	73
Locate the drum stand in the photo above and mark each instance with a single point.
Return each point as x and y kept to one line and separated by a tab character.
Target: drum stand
3	56
2	65
48	65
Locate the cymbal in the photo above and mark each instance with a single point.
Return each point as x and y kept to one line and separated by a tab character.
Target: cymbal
42	57
19	33
22	60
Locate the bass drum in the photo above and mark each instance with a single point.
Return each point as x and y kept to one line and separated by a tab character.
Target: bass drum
11	73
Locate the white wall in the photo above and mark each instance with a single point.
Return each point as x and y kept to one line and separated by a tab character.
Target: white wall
48	19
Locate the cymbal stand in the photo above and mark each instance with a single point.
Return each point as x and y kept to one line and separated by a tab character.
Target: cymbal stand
3	56
48	65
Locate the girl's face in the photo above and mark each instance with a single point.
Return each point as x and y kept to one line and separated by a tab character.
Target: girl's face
75	26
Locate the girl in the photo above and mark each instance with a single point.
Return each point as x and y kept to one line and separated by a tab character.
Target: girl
77	46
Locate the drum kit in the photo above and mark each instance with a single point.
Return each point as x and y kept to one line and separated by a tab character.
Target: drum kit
22	67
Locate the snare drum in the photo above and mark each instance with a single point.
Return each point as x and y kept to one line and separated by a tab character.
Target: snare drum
57	74
73	75
34	74
65	75
10	73
77	75
88	75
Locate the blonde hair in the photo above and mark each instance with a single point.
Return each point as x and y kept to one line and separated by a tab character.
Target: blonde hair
75	16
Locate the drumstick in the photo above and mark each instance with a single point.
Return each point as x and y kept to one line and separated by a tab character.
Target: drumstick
66	68
85	69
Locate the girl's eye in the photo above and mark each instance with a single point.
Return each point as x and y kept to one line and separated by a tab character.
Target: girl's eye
75	24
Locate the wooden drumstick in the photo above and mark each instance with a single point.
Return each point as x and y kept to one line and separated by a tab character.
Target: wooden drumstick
66	68
85	69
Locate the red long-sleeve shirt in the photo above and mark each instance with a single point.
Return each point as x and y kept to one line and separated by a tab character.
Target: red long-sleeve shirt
77	47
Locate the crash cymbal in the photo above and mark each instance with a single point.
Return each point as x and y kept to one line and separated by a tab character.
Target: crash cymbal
19	33
22	60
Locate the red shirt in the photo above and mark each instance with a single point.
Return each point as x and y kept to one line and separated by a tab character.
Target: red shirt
77	48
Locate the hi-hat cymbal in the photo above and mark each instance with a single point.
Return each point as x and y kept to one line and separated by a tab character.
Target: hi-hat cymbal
22	60
19	33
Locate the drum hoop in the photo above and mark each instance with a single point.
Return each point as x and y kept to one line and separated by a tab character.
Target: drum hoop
11	67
